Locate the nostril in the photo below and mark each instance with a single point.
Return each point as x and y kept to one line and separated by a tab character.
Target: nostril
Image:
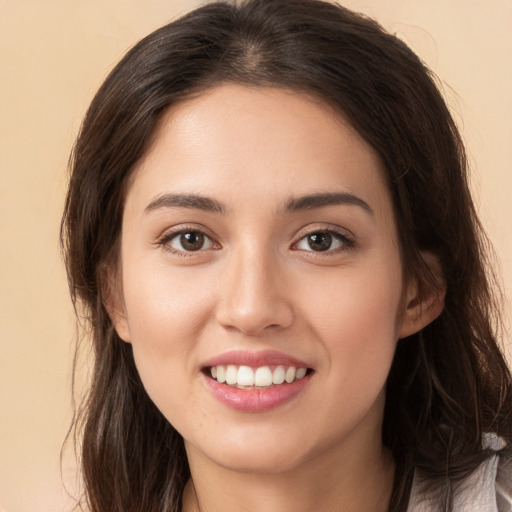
253	308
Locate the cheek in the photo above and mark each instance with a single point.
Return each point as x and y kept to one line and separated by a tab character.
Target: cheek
164	308
166	313
355	315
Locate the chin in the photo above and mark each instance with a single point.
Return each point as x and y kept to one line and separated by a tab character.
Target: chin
259	463
259	455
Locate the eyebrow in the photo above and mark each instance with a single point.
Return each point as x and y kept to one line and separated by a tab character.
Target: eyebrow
310	202
294	204
194	201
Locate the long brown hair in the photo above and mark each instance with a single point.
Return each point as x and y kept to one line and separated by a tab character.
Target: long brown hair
449	383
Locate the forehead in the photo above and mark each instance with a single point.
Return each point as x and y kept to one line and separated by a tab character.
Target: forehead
234	142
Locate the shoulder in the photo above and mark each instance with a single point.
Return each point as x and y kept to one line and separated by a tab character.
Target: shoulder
504	483
487	489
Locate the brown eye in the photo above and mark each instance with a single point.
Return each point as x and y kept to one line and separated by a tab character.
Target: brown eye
319	241
192	241
323	241
189	241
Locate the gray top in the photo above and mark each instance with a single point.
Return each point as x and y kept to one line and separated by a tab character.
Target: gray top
487	489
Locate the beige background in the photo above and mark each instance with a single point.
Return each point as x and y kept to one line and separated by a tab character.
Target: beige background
53	55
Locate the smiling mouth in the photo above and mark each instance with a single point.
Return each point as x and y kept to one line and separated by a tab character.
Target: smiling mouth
262	377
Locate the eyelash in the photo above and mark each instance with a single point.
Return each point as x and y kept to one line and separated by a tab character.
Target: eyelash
165	240
347	243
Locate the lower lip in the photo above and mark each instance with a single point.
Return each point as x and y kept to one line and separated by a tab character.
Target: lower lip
256	400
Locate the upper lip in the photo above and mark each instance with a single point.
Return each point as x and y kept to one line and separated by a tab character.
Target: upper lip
255	359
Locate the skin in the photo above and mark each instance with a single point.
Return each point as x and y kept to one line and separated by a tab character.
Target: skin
257	284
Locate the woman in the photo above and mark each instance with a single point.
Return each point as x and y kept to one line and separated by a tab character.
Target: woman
269	228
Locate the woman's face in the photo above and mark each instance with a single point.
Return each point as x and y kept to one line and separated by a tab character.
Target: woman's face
259	240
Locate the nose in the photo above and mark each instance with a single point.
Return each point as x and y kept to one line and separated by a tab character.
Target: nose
253	294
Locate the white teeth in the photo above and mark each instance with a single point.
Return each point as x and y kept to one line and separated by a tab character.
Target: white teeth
221	374
300	373
278	375
231	374
245	376
262	377
290	375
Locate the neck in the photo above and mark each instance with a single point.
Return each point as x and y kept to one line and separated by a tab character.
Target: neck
350	479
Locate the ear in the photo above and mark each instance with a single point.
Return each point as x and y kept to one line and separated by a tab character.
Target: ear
112	292
423	304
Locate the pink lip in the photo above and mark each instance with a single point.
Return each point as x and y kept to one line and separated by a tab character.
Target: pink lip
255	359
255	400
